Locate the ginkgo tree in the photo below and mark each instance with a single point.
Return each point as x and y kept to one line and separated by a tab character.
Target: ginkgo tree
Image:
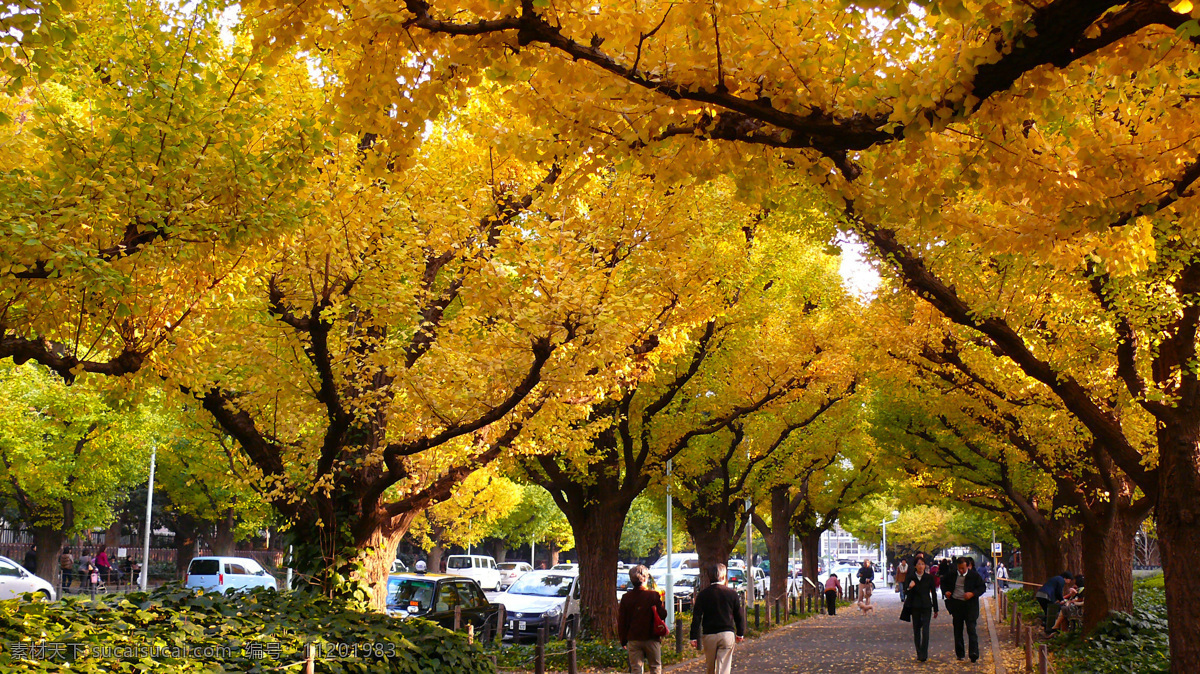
423	318
761	344
67	455
141	163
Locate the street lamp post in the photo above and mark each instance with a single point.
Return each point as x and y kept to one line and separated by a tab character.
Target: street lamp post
670	544
883	550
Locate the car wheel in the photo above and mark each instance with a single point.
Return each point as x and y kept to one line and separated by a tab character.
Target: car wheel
569	630
42	595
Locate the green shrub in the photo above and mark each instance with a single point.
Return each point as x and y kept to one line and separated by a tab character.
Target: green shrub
1124	643
1154	581
173	629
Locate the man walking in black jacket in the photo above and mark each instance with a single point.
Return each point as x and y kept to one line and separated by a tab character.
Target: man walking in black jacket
962	591
717	622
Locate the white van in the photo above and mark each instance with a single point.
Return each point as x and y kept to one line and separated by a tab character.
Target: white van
218	574
480	568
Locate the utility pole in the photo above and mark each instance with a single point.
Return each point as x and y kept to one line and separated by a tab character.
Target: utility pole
670	544
145	575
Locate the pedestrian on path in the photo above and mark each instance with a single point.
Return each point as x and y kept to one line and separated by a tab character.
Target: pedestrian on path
1002	575
901	575
833	587
920	604
66	565
962	602
717	622
640	610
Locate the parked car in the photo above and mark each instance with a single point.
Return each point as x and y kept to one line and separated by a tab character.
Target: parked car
511	571
218	574
482	568
737	579
685	582
679	560
841	570
435	596
16	580
539	599
566	566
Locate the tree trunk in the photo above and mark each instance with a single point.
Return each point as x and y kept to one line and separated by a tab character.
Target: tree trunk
554	552
377	553
714	540
777	540
1073	550
597	529
223	542
436	553
500	551
49	542
187	530
810	550
1107	551
112	535
1178	518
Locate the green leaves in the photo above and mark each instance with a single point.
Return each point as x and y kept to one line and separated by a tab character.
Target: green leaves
171	623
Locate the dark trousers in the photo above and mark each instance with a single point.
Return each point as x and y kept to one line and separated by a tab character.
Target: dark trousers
961	621
67	575
921	619
831	601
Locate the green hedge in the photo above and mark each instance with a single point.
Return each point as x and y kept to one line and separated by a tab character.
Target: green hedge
173	629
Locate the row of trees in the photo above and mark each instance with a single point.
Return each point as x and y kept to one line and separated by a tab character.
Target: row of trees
381	250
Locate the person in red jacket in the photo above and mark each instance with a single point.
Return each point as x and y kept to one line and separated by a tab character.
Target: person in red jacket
635	623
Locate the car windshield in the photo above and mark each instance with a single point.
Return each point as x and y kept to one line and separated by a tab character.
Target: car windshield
459	563
736	575
405	592
538	585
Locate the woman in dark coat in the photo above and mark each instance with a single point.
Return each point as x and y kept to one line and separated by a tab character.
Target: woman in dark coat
920	602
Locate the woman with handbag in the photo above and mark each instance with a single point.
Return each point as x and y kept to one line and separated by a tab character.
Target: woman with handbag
640	624
920	602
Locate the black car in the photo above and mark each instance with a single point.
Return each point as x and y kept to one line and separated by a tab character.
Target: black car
435	596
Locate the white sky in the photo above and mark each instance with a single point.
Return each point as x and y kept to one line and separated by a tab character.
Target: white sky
858	272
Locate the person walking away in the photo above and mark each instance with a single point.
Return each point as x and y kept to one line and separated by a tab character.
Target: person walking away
640	610
962	603
31	559
1051	596
717	622
833	588
1002	575
901	575
66	566
920	604
102	563
84	568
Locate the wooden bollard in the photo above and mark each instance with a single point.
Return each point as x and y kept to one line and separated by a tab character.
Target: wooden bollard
539	652
470	634
1029	649
572	658
756	622
778	616
501	624
457	618
1043	660
678	633
793	600
310	665
1016	629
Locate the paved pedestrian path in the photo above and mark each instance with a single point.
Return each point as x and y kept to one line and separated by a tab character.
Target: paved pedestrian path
851	642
